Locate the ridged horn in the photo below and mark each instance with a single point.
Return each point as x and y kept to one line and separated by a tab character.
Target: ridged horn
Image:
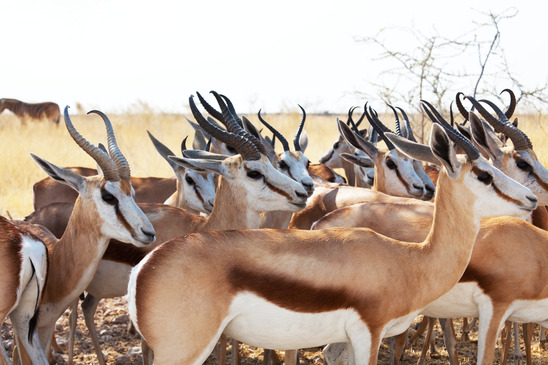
455	136
245	147
113	149
502	125
410	135
380	128
211	110
275	132
398	129
110	171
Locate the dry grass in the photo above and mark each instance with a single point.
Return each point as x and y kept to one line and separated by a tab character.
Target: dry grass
53	143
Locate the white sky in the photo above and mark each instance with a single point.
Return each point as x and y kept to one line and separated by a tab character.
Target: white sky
271	55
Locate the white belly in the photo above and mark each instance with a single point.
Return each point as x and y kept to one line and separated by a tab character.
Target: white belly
260	323
461	301
525	311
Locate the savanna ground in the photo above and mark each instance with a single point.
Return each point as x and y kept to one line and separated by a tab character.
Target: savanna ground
55	145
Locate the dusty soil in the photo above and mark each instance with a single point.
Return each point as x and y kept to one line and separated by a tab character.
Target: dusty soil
121	347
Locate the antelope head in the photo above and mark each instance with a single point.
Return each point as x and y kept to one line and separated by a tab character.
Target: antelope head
518	161
250	171
110	195
293	163
196	190
493	190
394	171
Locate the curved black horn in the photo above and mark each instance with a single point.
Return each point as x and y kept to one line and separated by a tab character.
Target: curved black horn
461	107
410	134
398	129
369	114
519	139
502	125
110	170
274	131
211	110
512	107
113	149
455	136
299	131
244	146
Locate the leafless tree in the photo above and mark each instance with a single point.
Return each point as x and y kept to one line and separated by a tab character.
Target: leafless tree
435	67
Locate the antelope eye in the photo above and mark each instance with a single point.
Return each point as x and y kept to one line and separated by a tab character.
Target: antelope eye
523	165
308	164
391	165
254	175
283	165
336	145
108	198
189	180
485	177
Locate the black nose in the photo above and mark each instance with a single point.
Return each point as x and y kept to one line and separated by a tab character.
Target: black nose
532	199
149	235
418	187
301	195
429	188
308	187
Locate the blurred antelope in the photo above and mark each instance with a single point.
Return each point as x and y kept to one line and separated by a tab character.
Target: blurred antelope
216	281
48	110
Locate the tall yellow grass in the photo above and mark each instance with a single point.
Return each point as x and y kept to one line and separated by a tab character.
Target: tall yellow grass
20	172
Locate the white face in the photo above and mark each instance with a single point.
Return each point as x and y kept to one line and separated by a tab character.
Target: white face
198	190
526	169
122	218
332	158
400	176
429	187
497	194
295	166
266	188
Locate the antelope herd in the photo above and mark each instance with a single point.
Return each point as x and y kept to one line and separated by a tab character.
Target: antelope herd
269	249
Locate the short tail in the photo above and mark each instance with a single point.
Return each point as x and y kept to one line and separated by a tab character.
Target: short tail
34	320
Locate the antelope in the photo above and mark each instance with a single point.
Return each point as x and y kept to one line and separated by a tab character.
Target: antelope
48	110
105	209
24	263
411	222
218	278
248	184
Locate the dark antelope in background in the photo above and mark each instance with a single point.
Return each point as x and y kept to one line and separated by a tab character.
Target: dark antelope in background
47	110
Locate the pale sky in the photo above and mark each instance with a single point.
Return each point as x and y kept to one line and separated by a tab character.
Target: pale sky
271	55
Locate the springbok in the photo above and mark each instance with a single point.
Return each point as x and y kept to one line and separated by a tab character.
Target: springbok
248	184
48	110
105	209
216	280
24	269
412	221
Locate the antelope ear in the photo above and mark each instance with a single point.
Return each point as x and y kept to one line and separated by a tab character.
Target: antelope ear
61	174
164	151
412	149
357	141
358	160
485	138
201	165
444	150
199	142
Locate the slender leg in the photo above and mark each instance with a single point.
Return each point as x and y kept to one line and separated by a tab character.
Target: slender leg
235	352
73	317
506	338
290	357
430	323
89	307
450	340
527	338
